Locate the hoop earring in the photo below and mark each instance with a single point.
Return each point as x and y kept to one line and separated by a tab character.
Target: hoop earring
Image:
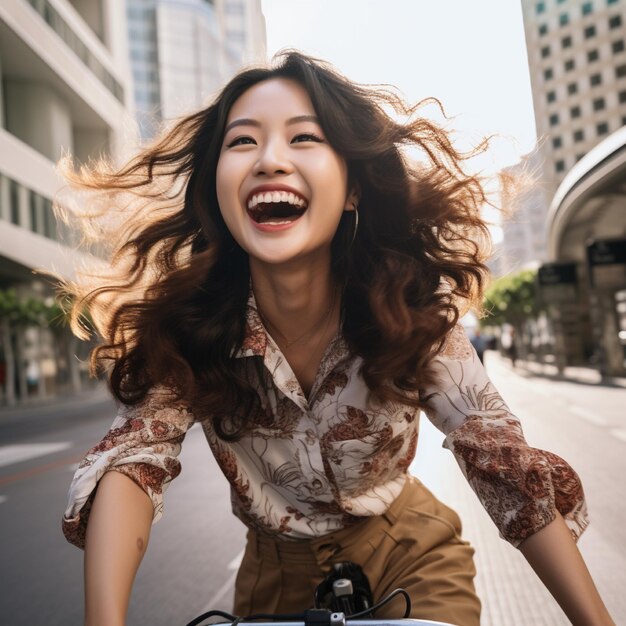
356	223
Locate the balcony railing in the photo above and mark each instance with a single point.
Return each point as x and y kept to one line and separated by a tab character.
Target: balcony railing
75	43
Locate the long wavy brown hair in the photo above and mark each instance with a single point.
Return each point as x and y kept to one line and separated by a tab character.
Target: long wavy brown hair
171	306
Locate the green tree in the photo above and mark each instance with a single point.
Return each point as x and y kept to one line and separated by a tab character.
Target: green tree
513	300
18	312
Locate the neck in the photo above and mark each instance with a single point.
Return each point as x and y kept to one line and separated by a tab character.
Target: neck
295	298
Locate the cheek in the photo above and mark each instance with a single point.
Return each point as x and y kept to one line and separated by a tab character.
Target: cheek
226	187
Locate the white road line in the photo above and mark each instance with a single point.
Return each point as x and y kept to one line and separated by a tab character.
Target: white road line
25	451
587	415
3	499
620	433
236	562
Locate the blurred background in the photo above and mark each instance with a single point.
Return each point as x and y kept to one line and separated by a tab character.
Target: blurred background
546	79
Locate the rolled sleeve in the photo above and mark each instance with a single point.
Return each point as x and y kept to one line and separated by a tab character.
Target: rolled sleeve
520	487
143	443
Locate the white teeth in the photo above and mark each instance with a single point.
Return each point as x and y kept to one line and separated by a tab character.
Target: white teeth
276	196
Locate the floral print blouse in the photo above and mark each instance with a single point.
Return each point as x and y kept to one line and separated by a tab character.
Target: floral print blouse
312	466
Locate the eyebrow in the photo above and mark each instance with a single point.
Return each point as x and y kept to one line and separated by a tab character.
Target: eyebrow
246	121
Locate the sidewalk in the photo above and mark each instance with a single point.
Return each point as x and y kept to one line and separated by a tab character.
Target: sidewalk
575	374
65	405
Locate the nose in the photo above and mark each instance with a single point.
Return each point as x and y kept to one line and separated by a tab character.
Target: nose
272	160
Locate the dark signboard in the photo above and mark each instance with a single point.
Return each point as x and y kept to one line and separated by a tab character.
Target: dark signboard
607	263
607	252
557	274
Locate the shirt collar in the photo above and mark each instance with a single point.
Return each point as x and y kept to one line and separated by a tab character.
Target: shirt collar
255	338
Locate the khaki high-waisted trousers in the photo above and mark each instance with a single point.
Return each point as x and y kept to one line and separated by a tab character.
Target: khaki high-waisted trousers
416	545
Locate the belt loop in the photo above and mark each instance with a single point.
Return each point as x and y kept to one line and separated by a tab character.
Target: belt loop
253	543
393	512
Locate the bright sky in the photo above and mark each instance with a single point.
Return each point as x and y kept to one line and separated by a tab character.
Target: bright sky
470	54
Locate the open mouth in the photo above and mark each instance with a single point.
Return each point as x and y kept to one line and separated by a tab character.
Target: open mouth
276	207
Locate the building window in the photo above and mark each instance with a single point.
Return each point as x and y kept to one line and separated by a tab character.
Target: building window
593	55
622	97
618	46
572	88
612	1
15	202
560	1
548	74
598	104
602	128
543	29
595	80
560	166
564	19
554	119
545	52
566	42
569	65
615	21
32	205
574	112
50	226
579	135
587	8
620	71
557	142
551	96
541	7
590	31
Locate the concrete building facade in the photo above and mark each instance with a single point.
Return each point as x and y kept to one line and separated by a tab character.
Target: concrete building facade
64	88
577	59
527	201
183	51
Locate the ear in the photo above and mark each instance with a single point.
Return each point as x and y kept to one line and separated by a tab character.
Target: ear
353	199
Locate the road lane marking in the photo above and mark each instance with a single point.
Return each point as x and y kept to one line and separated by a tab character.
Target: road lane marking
620	433
20	452
40	469
3	499
588	416
236	562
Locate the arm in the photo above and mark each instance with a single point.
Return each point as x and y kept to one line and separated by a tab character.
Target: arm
552	553
116	540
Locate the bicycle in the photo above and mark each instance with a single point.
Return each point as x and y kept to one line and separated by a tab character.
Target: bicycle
344	596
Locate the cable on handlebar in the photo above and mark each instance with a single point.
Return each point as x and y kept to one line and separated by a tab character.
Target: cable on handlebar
236	620
386	600
208	614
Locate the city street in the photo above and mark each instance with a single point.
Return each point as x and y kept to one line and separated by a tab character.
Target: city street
194	550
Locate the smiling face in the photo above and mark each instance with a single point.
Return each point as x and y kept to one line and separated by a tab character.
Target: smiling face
281	187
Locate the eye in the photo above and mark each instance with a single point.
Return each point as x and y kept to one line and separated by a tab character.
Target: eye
307	137
241	141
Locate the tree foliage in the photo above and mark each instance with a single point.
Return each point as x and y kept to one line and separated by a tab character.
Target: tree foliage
512	299
22	311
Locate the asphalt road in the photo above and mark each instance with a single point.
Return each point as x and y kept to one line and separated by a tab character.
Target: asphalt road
194	551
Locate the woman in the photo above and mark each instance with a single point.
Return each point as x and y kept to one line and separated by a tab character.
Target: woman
286	277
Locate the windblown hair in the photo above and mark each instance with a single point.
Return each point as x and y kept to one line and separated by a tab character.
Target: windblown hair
171	307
